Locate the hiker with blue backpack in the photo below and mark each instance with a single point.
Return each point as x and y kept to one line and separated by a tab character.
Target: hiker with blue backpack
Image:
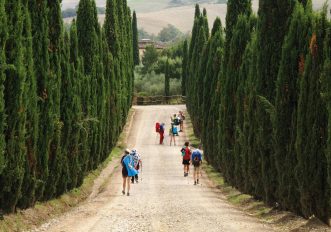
128	171
172	133
196	160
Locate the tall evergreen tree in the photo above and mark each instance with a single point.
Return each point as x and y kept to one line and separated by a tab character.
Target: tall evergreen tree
233	57
209	107
167	80
30	97
184	67
135	39
55	125
272	27
15	153
287	91
3	38
40	44
312	135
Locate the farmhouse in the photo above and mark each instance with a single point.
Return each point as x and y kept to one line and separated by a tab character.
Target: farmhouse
143	43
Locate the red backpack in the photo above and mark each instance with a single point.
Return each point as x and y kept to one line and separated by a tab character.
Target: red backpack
157	127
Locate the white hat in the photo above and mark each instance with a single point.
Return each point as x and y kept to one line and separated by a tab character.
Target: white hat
127	151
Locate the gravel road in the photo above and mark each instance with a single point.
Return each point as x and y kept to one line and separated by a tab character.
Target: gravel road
163	200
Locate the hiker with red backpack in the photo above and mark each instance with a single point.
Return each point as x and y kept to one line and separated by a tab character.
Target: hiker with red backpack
161	132
186	153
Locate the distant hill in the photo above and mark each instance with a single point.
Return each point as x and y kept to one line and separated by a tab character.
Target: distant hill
157	14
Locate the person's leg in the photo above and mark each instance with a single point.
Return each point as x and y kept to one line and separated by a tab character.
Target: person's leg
136	177
128	193
195	175
198	174
124	184
174	141
132	179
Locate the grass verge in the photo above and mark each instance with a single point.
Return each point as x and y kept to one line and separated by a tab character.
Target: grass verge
42	212
281	220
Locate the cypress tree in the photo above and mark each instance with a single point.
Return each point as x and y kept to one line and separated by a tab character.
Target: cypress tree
135	39
15	153
242	144
86	34
3	38
30	97
272	27
39	21
167	80
55	162
327	90
241	35
209	107
287	91
232	64
195	78
251	155
184	67
311	171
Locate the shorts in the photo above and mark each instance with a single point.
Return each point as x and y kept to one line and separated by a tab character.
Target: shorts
124	172
197	168
186	162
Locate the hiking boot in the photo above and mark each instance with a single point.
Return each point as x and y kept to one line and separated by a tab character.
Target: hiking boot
195	183
184	174
128	194
123	192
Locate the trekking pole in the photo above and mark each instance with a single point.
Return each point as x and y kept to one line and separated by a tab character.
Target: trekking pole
141	176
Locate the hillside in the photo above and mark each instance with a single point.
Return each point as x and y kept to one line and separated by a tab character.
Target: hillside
157	14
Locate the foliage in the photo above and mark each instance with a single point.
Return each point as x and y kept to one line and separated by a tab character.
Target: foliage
266	90
169	34
64	96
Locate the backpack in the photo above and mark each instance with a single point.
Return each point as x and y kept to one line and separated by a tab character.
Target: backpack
157	127
176	121
183	150
196	161
174	130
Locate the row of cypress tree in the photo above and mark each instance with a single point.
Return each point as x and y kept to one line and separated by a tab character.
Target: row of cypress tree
258	93
64	95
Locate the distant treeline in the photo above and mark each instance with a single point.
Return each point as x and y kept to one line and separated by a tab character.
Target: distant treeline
259	94
64	95
72	12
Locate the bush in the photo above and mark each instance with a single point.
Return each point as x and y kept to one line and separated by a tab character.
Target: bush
152	84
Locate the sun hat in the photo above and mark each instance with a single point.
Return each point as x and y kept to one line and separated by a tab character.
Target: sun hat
127	151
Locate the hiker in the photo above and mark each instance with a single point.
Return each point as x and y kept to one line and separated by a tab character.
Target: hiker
128	170
186	158
161	132
126	180
181	121
137	163
196	162
172	132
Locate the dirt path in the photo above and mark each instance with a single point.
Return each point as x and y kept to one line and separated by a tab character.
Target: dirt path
163	200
